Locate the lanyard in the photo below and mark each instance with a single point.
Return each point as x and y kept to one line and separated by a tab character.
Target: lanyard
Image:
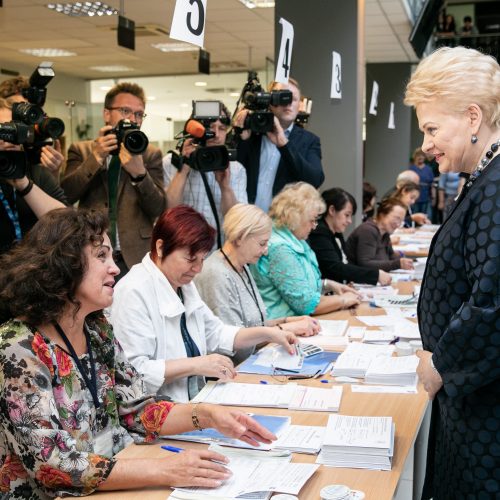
92	383
252	293
12	213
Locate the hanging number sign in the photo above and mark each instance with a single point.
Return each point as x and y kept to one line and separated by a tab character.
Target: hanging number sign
188	23
336	90
285	57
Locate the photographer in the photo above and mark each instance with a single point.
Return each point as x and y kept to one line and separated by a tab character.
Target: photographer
25	199
103	174
285	154
51	156
184	185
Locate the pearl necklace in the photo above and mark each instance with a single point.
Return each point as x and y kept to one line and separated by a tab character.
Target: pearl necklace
483	163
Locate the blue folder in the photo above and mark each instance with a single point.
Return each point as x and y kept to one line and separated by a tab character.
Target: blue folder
311	365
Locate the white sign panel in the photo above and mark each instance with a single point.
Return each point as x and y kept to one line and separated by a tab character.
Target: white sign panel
374	100
285	57
391	123
336	89
188	23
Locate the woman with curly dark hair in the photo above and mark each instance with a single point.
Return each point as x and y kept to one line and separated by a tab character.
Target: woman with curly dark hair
68	396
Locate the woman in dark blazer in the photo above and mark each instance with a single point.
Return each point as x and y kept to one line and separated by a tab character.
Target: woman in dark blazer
328	243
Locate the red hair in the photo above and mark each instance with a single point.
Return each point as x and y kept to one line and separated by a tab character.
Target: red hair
182	227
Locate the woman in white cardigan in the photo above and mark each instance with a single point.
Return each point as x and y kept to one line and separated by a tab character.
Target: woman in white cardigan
167	331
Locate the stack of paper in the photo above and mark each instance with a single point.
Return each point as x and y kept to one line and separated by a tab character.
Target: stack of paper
358	442
301	439
399	370
250	475
278	357
381	337
277	424
291	396
356	359
332	334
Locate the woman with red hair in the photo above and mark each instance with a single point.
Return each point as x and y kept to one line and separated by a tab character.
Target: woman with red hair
167	331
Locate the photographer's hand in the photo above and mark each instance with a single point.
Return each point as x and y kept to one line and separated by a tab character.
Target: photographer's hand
104	144
187	148
277	135
51	157
239	121
132	164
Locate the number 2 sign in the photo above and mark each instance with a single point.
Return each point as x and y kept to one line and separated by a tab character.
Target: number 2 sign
285	57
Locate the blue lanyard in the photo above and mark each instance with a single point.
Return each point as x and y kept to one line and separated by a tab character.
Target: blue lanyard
13	214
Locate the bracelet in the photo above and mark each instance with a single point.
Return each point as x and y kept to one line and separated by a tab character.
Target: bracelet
139	178
195	419
343	302
279	326
26	190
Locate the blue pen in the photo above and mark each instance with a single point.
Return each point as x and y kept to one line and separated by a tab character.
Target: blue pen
173	449
263	382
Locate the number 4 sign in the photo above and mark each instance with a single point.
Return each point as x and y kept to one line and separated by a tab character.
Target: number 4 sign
188	23
285	57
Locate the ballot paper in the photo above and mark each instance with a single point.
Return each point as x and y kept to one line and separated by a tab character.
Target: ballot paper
316	398
291	395
277	424
358	442
369	292
383	320
328	342
396	370
385	389
356	332
379	336
278	357
255	475
333	328
301	439
356	359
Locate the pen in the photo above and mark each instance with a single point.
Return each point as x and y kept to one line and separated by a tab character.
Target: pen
285	370
302	377
173	449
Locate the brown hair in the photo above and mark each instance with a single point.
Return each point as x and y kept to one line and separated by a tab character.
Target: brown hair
387	205
124	88
406	187
39	276
13	86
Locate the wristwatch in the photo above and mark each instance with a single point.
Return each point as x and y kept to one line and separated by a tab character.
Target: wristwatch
135	180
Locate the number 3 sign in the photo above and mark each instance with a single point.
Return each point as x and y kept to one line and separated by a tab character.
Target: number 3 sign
285	57
188	23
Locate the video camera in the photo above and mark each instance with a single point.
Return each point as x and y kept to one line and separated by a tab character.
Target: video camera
30	126
133	139
259	119
205	158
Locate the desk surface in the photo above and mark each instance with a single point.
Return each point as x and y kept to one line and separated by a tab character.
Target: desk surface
407	411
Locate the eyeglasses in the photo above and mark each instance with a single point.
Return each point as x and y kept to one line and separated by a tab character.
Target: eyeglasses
127	113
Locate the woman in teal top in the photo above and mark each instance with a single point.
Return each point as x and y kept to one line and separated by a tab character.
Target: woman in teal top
288	277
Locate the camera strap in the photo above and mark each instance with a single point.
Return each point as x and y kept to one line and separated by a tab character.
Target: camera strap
213	207
12	213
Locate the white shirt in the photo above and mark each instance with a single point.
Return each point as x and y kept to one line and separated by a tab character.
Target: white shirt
146	315
195	194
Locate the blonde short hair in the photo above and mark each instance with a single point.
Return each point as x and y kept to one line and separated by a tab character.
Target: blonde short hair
293	203
243	220
458	76
5	103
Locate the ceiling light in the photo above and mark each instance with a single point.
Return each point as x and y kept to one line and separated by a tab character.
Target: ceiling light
260	4
48	52
83	9
175	47
105	88
234	94
183	105
151	98
112	69
200	84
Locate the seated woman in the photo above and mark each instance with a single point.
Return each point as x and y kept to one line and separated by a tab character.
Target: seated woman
226	284
328	243
69	397
408	193
369	245
288	277
165	328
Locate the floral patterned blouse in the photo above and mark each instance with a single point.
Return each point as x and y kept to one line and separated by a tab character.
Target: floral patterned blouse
53	440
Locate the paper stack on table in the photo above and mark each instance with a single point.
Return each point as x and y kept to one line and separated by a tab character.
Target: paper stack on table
356	359
379	337
291	396
400	370
358	442
301	439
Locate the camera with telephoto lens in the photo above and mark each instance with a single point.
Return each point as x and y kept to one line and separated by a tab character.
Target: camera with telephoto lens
205	158
259	119
128	133
13	164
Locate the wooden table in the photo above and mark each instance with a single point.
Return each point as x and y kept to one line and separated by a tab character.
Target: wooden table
407	411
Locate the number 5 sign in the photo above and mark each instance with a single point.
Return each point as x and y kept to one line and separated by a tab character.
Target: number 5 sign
285	57
188	23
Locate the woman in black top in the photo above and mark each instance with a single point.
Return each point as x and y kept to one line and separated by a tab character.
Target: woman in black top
328	243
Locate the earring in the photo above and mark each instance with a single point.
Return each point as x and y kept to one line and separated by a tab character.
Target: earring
473	139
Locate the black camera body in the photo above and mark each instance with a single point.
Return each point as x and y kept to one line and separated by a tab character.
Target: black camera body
129	133
13	164
259	119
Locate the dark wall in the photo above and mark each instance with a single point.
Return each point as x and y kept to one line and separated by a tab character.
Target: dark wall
387	151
